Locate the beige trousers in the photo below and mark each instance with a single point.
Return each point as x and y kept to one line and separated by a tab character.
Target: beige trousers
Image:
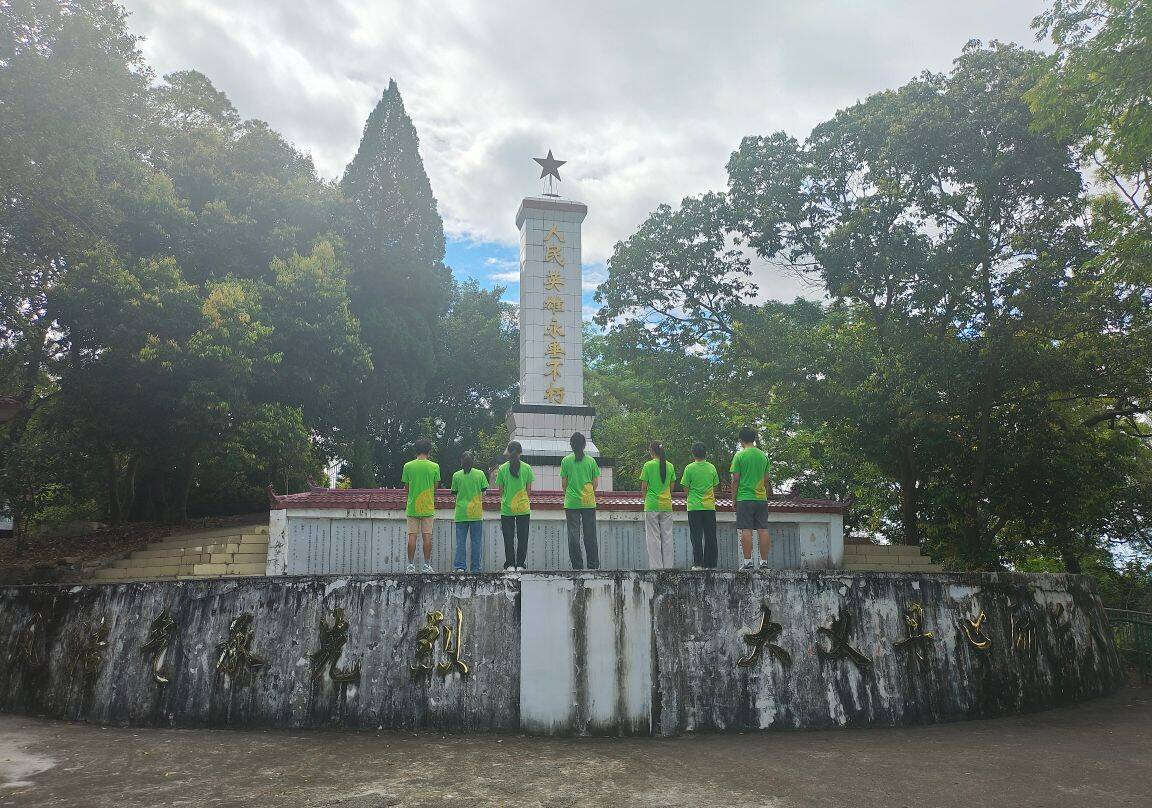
658	537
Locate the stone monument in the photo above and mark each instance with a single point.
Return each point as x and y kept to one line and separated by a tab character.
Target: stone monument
551	405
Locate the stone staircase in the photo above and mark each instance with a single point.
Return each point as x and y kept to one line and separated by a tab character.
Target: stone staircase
218	553
868	557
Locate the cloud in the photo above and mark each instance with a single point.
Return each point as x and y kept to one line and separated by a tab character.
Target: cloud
645	100
508	276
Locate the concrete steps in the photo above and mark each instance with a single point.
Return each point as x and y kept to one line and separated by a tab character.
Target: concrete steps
886	558
217	553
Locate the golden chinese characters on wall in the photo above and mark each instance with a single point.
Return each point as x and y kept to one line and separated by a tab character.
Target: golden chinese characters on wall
554	303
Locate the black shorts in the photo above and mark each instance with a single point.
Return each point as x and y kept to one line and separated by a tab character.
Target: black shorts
751	514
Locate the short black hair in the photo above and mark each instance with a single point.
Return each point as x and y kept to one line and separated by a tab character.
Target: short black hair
422	446
699	450
747	434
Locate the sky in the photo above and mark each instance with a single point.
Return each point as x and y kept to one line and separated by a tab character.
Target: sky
645	100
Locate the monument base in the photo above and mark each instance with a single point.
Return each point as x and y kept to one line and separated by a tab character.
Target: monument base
627	653
544	431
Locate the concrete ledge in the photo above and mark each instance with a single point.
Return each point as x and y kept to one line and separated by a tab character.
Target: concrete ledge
560	653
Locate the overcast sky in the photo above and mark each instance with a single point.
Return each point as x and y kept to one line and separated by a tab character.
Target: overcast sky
645	100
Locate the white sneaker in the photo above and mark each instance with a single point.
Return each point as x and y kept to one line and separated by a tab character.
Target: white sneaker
522	569
411	568
427	568
747	566
696	568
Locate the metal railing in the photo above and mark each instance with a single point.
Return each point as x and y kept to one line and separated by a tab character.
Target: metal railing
1133	633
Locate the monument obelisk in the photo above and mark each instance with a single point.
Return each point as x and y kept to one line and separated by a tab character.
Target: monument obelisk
551	405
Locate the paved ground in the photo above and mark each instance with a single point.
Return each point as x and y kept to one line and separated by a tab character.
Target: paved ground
1094	754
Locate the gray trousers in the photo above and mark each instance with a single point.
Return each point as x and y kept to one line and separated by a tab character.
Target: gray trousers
582	523
658	538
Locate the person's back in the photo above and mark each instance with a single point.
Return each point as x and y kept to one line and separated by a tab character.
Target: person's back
699	480
420	477
578	475
750	469
469	484
658	494
752	465
656	479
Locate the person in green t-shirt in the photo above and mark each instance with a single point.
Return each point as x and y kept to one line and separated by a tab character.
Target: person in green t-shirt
700	480
469	484
656	479
578	477
420	477
514	479
751	483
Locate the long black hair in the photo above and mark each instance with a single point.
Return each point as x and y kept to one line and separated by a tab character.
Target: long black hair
577	442
514	450
466	462
657	448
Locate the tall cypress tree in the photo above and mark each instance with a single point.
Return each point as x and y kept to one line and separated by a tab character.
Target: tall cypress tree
399	286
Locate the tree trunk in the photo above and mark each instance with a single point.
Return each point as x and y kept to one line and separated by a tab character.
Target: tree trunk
111	487
909	498
1071	562
182	486
361	467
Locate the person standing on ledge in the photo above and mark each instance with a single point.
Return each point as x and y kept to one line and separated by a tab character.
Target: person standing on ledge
514	479
656	480
469	484
751	484
700	480
578	477
420	477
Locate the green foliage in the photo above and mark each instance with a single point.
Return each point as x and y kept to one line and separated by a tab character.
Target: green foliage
982	355
189	312
399	288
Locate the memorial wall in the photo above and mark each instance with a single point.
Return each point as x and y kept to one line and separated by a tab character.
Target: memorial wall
577	653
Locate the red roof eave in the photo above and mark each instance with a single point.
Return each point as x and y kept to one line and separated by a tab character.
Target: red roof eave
395	499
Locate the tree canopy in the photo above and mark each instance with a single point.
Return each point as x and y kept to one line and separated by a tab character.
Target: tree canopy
984	344
189	311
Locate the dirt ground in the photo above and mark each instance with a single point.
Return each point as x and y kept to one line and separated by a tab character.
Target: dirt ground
1093	754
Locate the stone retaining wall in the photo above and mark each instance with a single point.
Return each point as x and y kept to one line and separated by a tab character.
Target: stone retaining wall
552	653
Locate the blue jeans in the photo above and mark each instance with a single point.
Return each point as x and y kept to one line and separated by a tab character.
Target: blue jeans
462	530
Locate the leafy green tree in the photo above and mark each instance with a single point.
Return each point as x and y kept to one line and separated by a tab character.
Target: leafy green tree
476	374
966	306
73	88
399	286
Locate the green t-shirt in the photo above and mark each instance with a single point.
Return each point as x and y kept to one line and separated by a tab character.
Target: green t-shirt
659	494
469	489
580	492
513	495
700	480
752	466
421	477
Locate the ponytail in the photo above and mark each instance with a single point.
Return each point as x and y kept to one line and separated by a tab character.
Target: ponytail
466	462
514	450
657	448
577	442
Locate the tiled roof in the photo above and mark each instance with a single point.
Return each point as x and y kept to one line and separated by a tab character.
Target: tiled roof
394	499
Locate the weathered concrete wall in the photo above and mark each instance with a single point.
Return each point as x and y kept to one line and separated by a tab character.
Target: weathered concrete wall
369	542
555	653
1067	654
383	618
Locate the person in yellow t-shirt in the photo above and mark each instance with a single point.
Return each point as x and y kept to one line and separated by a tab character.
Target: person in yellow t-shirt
514	479
420	477
656	480
699	480
579	475
469	484
751	485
